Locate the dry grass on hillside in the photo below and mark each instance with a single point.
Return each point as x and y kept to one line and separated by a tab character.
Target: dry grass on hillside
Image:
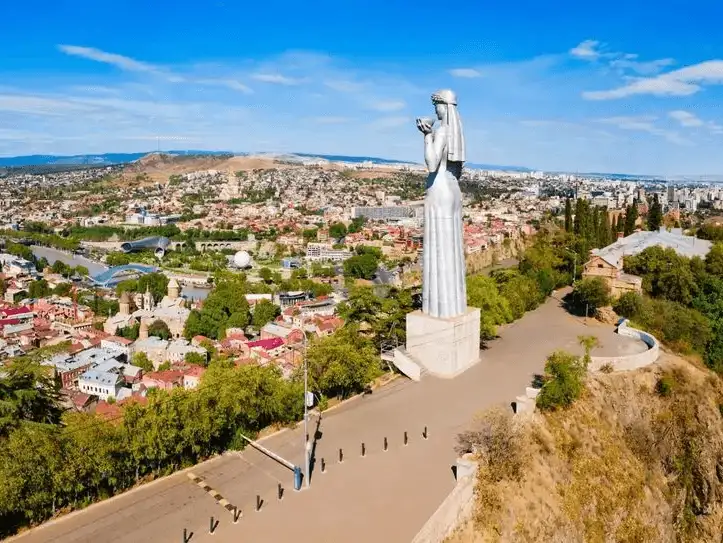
631	462
155	168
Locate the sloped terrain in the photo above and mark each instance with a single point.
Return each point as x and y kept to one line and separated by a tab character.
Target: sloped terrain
638	459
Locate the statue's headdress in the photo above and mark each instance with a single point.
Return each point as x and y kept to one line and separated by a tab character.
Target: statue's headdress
455	143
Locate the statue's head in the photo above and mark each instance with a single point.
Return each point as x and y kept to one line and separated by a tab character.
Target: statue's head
442	100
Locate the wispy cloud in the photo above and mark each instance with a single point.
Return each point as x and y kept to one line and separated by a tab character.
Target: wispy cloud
469	73
685	118
133	65
277	79
645	124
120	61
689	120
682	82
630	62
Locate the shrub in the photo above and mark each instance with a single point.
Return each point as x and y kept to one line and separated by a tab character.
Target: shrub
629	305
497	439
564	381
665	386
607	368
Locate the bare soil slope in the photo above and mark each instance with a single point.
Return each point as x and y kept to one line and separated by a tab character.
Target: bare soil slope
632	461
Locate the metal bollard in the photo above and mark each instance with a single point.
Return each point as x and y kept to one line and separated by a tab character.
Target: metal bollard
341	456
424	434
213	525
281	492
406	438
186	535
259	503
323	465
364	449
237	514
386	444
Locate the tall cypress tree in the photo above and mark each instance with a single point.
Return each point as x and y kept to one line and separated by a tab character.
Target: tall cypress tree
603	237
568	215
655	215
579	216
631	216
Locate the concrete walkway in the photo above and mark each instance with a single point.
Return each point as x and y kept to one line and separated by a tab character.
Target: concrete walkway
381	497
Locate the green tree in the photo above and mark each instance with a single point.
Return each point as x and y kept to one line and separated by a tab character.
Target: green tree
225	306
590	294
156	282
264	312
165	366
655	214
343	363
309	234
141	360
196	358
28	392
631	217
159	329
482	292
568	215
38	289
265	275
337	230
714	260
362	266
63	289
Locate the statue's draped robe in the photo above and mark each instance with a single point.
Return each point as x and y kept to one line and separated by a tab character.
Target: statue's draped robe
444	283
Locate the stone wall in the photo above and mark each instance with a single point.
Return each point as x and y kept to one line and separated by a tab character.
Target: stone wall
633	361
456	509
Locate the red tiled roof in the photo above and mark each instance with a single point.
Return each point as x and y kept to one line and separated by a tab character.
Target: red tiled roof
165	376
118	339
267	344
16	311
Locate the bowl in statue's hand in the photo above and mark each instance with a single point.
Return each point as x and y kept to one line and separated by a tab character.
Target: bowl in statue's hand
429	121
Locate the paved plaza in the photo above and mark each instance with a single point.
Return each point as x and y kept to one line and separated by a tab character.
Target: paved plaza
385	496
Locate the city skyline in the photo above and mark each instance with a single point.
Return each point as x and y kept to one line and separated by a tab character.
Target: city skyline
578	91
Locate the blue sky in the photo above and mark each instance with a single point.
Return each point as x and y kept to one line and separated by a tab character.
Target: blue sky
577	86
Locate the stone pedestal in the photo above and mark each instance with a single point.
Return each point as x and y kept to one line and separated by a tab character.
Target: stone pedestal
444	347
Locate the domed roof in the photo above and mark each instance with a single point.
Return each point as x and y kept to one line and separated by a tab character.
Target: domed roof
172	283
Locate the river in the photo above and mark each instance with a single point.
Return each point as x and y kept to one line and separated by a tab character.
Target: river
51	255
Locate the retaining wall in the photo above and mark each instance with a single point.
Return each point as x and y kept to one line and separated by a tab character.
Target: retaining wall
456	508
633	361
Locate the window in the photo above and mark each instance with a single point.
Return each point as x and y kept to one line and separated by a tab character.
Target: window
600	266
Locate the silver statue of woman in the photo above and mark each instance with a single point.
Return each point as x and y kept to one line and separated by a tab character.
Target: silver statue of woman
444	283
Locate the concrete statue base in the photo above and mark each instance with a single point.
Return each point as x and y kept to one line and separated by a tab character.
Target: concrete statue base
444	347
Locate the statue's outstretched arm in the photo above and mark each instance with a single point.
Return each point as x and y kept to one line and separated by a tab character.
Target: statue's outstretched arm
434	146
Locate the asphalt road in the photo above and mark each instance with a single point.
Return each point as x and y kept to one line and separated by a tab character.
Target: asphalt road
385	496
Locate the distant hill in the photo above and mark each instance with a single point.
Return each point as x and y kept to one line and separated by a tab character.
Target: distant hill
105	159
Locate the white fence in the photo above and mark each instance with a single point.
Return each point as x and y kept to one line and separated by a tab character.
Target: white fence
633	361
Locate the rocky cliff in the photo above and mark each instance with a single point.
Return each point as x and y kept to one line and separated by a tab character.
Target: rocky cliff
638	459
496	254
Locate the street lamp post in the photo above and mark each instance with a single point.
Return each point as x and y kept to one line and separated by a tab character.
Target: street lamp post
307	459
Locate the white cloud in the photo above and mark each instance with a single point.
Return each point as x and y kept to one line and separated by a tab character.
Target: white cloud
124	63
629	62
344	85
133	65
682	82
587	50
685	118
277	79
465	72
645	124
